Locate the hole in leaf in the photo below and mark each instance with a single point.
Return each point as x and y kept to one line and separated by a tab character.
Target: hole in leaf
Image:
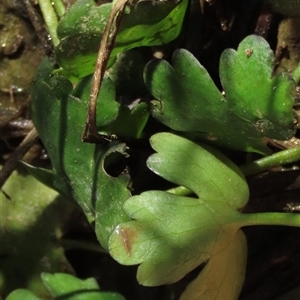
115	164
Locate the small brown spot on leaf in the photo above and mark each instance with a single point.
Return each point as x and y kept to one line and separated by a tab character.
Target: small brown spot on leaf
248	52
128	236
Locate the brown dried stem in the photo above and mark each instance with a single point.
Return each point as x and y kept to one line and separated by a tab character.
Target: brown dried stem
90	133
11	164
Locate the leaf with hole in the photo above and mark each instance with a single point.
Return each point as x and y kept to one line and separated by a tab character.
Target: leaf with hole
79	169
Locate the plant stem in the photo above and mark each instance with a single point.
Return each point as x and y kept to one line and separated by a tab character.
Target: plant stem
275	160
59	7
40	28
296	74
75	244
12	162
50	19
281	219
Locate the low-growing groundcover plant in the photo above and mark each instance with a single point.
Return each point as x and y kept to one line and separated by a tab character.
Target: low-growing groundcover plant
197	221
67	286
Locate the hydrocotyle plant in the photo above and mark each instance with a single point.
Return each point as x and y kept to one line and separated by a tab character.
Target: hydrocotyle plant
254	107
68	287
169	233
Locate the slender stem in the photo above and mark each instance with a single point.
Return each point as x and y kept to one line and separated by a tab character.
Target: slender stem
296	74
281	219
275	160
106	46
90	132
76	244
12	162
50	19
59	7
40	28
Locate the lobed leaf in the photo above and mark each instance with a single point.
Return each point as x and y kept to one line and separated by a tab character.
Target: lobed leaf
200	168
257	106
170	235
263	100
223	276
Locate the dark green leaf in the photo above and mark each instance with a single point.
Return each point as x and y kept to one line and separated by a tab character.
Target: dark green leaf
80	31
127	73
263	100
32	219
256	105
131	123
79	168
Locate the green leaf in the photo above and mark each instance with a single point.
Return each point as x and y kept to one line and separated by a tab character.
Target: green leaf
32	216
204	163
111	116
71	288
257	106
127	73
79	169
130	123
255	95
171	235
22	294
107	107
68	287
80	31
